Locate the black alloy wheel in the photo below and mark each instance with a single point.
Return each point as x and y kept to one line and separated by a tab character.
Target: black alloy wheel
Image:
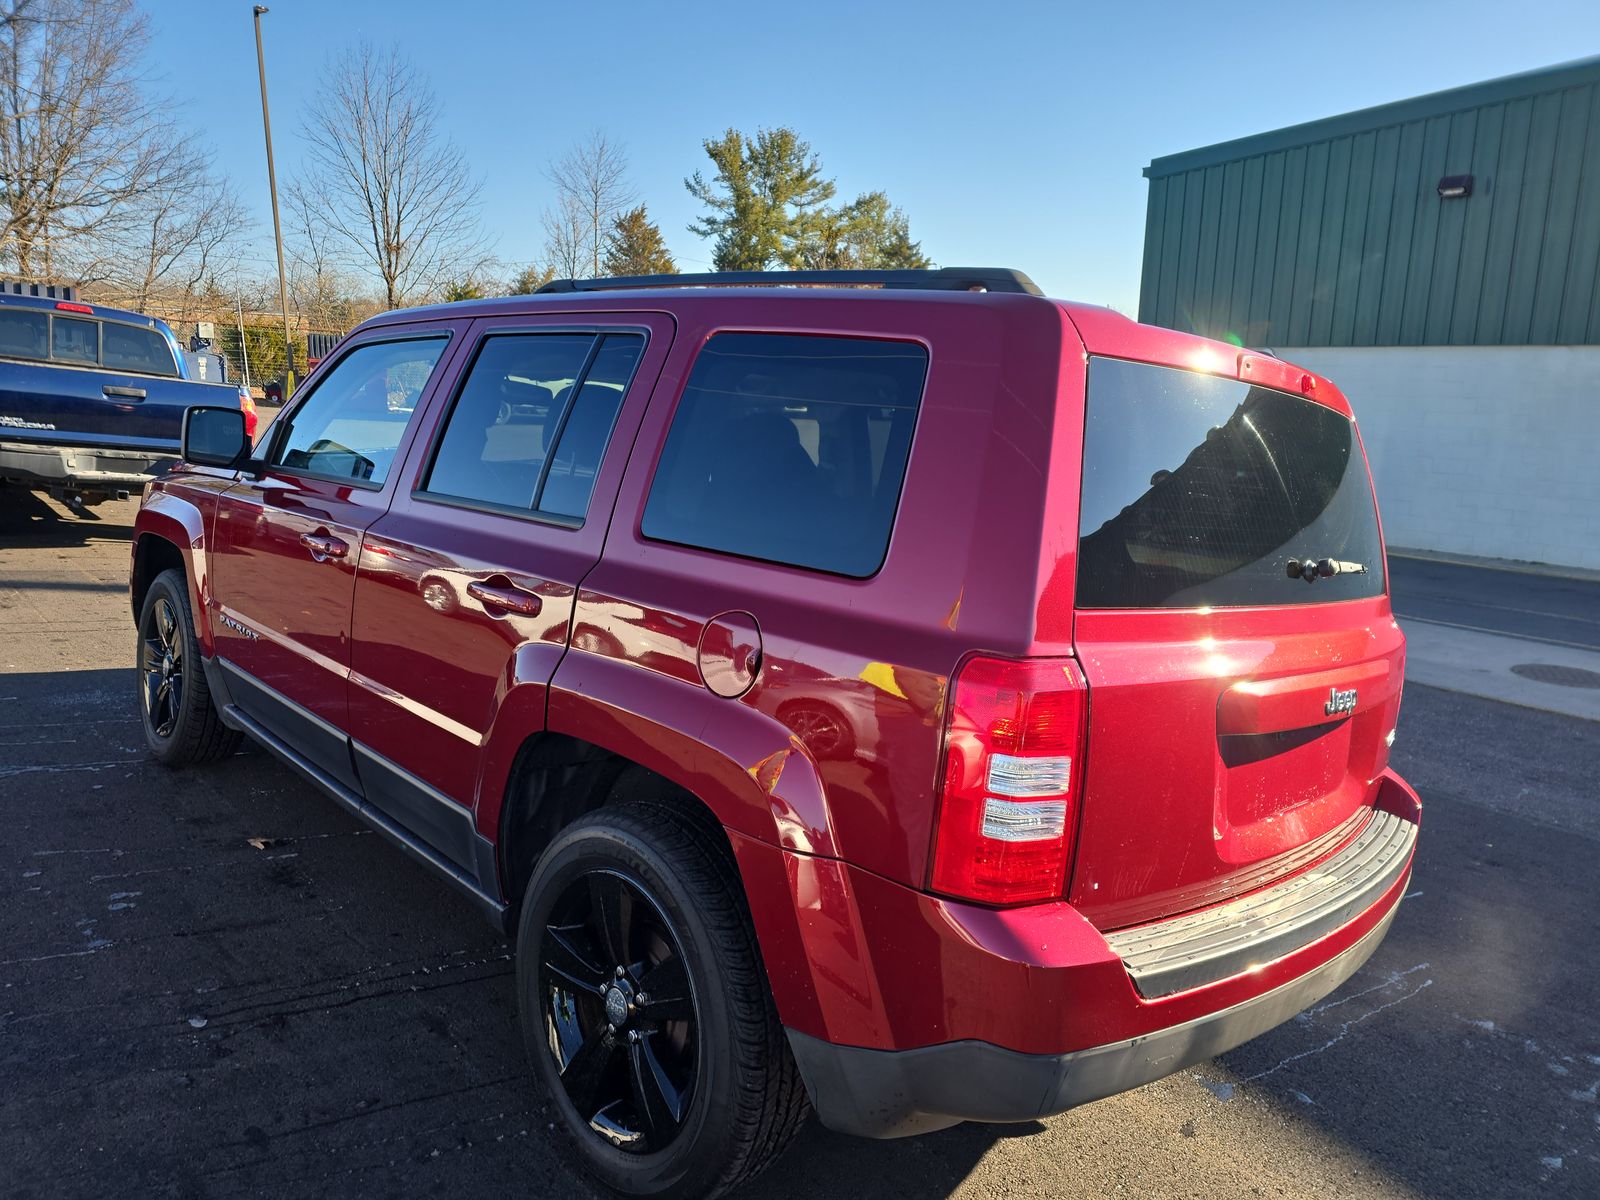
644	1003
182	725
161	660
619	1011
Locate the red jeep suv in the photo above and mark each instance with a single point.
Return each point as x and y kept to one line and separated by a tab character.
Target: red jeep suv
893	694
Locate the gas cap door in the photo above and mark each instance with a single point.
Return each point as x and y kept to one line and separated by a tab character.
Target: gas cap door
730	653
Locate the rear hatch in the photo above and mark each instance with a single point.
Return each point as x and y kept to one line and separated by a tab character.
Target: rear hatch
1239	715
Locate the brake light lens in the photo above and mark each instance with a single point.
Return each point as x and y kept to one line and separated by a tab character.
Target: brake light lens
1013	756
251	416
69	306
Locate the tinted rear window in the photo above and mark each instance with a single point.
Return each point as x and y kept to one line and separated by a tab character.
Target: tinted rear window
1198	491
790	449
75	341
24	334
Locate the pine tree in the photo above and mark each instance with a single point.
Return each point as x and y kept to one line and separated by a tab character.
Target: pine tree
634	246
762	198
867	234
530	279
769	208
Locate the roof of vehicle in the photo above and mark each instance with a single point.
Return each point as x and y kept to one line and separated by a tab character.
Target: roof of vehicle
50	304
1103	331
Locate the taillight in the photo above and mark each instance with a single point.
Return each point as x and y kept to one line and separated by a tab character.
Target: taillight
1013	754
251	417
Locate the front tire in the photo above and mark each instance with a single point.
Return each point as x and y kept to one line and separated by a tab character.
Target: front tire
182	726
645	1007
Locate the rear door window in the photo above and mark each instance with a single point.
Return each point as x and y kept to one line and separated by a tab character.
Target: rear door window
1199	490
529	426
791	449
141	351
569	477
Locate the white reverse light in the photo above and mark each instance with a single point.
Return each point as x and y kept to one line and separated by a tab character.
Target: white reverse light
1010	775
1024	821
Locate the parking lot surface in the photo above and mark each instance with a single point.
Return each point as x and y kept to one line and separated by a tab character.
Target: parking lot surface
215	983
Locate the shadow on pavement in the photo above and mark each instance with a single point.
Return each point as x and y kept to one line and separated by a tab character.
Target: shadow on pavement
28	519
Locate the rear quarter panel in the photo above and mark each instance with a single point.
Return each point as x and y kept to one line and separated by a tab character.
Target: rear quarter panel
962	573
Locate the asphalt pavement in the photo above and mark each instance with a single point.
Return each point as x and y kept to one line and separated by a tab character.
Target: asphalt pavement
1553	609
215	983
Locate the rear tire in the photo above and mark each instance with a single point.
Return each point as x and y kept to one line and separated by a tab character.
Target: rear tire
182	726
672	1081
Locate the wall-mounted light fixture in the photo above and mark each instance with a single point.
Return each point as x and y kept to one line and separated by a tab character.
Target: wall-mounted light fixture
1455	187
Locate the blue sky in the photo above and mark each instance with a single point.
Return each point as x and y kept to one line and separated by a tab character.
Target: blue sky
1013	134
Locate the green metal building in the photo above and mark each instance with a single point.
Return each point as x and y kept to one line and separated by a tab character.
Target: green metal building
1469	217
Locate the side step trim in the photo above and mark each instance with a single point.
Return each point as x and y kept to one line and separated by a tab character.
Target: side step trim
1202	947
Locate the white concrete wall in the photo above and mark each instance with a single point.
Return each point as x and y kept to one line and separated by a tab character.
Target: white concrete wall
1489	450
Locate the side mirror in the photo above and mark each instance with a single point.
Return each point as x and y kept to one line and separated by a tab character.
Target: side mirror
215	437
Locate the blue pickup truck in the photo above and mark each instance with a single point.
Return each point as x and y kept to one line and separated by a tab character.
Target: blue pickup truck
92	398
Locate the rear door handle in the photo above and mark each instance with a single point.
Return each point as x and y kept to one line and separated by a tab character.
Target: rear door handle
124	393
1300	701
505	597
324	546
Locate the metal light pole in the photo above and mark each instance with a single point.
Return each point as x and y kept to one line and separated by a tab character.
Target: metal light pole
277	225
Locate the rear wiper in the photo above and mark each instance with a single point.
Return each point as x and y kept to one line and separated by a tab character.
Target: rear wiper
1312	570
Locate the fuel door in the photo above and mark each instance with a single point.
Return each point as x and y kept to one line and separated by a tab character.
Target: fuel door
729	655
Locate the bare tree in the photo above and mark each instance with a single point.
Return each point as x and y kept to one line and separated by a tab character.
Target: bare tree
89	153
401	196
592	191
320	287
566	238
185	236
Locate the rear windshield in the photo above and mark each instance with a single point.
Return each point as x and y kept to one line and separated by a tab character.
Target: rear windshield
84	342
1199	491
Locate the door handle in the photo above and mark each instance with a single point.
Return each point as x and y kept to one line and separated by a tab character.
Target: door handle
324	546
1301	701
124	393
506	598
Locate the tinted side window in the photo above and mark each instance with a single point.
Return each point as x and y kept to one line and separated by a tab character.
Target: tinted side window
791	449
128	348
498	434
351	426
1198	490
569	477
75	341
24	334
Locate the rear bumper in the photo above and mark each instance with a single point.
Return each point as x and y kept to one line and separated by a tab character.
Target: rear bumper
90	469
924	1013
898	1093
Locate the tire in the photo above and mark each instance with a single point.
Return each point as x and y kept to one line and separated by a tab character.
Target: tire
181	723
687	1092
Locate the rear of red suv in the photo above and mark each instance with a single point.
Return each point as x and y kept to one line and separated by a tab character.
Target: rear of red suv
1164	818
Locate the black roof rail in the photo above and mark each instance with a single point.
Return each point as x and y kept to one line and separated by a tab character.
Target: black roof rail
944	279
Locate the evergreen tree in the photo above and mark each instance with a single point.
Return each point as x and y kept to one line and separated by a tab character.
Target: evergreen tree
769	208
867	234
530	279
634	246
764	195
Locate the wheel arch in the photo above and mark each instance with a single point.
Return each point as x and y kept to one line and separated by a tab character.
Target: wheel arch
714	758
169	534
